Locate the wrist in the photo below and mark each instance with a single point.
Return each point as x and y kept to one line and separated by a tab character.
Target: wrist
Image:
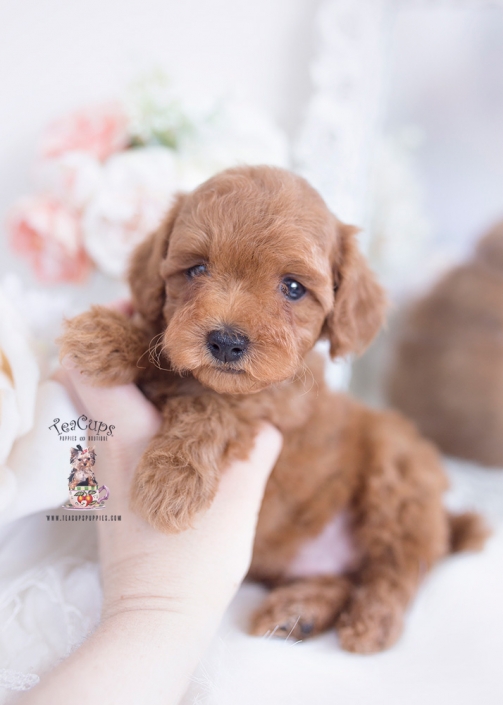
195	608
152	626
163	577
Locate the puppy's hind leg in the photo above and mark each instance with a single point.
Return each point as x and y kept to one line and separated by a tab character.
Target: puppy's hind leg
301	608
401	529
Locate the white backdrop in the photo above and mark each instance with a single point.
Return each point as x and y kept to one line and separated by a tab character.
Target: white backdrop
447	79
56	56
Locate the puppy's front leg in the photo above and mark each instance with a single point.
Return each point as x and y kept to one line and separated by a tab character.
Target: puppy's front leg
179	472
105	345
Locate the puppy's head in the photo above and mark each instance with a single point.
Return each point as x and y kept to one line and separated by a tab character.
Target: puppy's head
82	459
246	273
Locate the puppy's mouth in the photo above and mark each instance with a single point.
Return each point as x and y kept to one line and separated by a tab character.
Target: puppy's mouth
228	370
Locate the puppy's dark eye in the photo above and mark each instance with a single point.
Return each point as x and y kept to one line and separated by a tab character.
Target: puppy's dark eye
196	271
292	289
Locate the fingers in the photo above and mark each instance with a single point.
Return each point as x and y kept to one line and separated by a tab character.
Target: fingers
124	406
268	444
243	483
123	306
224	534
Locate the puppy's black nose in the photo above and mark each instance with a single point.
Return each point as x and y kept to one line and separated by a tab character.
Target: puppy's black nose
227	345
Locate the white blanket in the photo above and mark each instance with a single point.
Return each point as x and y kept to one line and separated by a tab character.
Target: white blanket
451	650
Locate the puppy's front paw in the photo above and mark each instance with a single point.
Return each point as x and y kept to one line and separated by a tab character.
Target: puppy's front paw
104	345
168	492
371	623
302	609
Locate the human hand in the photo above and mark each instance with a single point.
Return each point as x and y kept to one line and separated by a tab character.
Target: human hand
196	570
164	595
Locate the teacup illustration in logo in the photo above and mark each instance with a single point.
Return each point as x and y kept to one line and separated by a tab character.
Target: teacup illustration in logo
82	483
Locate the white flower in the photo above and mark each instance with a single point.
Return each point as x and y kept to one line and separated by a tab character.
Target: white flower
135	191
180	151
42	312
19	376
73	177
249	135
37	467
236	135
33	462
156	115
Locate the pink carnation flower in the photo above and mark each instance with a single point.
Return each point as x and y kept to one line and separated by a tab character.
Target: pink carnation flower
99	131
49	235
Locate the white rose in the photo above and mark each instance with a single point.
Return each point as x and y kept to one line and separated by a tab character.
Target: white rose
237	135
33	461
35	474
19	376
135	192
246	135
73	176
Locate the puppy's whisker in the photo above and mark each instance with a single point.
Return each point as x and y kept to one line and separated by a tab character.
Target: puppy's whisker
155	350
291	630
140	367
305	371
148	351
156	353
152	345
300	372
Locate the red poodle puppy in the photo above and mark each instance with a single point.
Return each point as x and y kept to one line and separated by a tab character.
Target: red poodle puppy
230	295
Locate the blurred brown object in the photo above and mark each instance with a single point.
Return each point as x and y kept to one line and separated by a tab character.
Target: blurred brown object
447	369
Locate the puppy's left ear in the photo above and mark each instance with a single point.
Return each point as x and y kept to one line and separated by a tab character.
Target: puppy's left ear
359	300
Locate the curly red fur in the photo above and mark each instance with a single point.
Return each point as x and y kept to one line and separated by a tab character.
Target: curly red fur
246	230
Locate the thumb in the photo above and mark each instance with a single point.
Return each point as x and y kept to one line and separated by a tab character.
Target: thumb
226	531
242	484
133	416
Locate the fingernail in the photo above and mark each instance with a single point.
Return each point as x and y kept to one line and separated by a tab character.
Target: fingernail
68	363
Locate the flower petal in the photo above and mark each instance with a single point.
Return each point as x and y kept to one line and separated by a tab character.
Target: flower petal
24	372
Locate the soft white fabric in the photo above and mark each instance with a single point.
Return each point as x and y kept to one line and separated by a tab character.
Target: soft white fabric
50	596
451	651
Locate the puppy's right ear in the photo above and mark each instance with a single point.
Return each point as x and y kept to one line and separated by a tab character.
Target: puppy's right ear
147	284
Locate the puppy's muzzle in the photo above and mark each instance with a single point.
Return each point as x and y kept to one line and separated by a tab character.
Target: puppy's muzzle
227	345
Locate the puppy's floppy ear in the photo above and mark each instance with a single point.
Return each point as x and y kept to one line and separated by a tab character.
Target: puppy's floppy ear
359	300
145	280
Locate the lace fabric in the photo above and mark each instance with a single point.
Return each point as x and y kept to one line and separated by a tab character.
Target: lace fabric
50	597
14	680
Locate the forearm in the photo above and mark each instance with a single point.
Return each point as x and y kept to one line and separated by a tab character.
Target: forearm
134	656
163	595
